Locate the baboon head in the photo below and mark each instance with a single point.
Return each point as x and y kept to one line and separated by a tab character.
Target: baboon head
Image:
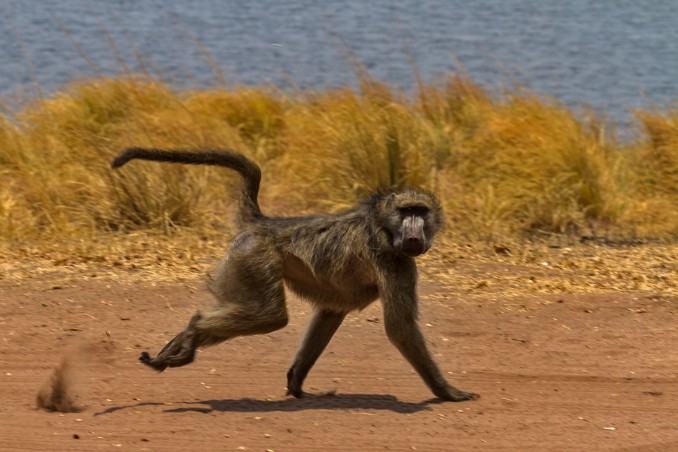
410	219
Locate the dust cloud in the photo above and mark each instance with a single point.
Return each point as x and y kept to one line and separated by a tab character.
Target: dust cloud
57	393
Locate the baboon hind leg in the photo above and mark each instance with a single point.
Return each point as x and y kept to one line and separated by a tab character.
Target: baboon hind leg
178	352
318	334
249	288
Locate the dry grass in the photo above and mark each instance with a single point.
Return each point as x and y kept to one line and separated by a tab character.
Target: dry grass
655	169
499	272
505	166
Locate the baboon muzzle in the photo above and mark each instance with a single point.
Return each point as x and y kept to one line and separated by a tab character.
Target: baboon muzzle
413	241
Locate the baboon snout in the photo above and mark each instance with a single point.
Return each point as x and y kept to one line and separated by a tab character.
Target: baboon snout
414	246
413	240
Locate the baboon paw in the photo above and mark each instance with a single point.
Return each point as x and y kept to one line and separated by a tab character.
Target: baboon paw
460	396
150	362
304	394
297	393
456	395
470	396
144	357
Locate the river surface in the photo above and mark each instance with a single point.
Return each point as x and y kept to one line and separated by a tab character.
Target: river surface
613	55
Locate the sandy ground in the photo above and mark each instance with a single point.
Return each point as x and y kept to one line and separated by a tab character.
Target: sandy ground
559	366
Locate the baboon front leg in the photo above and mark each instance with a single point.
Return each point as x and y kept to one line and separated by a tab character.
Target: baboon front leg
406	336
399	298
320	330
400	320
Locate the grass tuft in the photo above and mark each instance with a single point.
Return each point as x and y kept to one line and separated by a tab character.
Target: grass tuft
504	165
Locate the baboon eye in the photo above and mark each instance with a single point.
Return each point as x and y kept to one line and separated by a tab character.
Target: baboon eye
414	210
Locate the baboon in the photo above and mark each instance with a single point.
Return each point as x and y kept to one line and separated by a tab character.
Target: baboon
340	263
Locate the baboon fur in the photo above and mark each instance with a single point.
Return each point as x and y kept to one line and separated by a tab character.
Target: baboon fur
339	263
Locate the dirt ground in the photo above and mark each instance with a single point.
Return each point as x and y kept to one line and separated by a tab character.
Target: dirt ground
568	353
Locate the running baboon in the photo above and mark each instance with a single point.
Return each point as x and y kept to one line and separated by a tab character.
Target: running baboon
339	263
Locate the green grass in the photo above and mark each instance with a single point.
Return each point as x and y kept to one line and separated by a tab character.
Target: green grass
504	165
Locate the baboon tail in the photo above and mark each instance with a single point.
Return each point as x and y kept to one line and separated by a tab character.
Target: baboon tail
250	172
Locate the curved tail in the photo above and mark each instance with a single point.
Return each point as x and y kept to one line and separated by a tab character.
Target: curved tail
250	172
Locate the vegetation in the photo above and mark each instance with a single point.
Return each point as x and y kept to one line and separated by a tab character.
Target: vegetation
504	165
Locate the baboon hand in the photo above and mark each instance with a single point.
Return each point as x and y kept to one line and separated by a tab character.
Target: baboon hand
452	394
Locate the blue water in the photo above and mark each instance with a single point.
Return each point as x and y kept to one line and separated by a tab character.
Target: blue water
614	55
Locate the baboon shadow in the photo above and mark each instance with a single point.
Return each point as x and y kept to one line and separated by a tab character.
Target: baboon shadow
310	402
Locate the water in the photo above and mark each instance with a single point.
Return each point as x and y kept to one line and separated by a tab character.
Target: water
614	55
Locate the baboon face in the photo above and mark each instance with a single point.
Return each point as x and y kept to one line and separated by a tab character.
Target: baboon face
412	221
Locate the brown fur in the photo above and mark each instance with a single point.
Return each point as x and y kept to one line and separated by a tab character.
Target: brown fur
339	263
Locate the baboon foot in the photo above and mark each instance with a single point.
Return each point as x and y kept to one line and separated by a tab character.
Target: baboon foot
304	394
178	352
150	362
452	394
297	393
294	383
294	387
294	390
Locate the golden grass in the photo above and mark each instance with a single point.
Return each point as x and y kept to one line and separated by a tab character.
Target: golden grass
504	166
466	271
